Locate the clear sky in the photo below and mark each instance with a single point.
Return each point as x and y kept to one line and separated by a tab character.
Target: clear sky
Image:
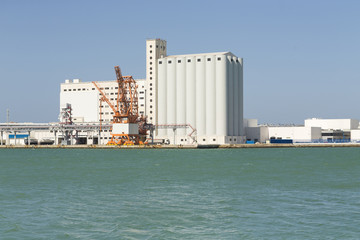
301	58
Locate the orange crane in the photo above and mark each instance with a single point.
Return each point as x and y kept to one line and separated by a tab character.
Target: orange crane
126	121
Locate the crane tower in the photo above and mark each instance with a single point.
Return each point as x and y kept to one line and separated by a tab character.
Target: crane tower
126	121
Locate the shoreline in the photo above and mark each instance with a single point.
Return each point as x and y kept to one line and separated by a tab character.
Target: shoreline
232	146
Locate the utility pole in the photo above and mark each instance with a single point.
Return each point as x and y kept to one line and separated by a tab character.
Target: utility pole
7	115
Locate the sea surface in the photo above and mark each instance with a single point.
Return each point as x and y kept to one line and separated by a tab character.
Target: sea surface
288	193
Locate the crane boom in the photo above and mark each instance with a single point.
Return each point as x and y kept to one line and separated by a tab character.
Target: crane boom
104	98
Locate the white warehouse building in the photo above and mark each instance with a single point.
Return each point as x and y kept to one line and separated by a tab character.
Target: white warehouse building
85	99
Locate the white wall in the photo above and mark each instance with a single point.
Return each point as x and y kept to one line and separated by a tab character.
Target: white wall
85	99
343	124
250	122
84	104
260	133
355	135
295	133
201	90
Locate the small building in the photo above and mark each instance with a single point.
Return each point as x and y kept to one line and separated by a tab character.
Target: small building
298	134
335	124
355	135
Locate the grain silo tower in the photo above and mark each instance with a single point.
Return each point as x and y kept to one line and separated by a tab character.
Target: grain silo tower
204	91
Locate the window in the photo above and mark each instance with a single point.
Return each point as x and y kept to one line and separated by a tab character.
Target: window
169	62
141	105
157	46
237	60
150	78
150	100
83	89
79	89
150	85
150	68
69	90
150	46
150	72
150	63
150	94
150	51
189	60
150	111
150	88
116	87
150	57
142	92
141	97
150	106
150	118
232	60
204	139
219	58
214	139
106	88
74	89
179	61
93	88
65	90
199	60
160	62
209	59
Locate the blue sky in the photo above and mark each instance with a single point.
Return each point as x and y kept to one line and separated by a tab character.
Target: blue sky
301	58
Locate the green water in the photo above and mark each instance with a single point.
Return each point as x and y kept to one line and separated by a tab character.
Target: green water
180	194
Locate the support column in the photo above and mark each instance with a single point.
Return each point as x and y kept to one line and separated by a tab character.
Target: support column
28	143
174	130
8	139
99	138
15	138
55	138
2	137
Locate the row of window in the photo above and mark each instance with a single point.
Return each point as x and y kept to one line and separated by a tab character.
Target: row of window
157	46
79	89
150	68
199	60
87	89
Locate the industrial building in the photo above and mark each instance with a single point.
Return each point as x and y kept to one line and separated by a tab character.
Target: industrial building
314	130
204	91
86	102
186	99
190	99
